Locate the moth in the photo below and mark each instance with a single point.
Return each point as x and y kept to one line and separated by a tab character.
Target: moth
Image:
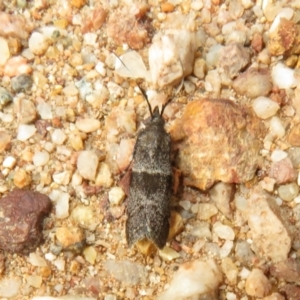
150	189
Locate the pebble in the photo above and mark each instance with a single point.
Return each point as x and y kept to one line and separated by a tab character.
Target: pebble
85	88
44	110
70	90
116	196
21	178
230	270
62	178
87	125
84	216
5	97
288	192
21	83
223	231
283	171
294	155
25	132
233	58
199	68
4	140
15	66
222	194
25	110
268	184
58	137
9	287
267	226
206	211
38	43
264	107
34	280
104	176
283	76
4	51
90	254
87	164
277	127
61	200
168	254
115	90
127	272
194	279
22	214
70	238
278	155
257	284
226	248
9	162
253	83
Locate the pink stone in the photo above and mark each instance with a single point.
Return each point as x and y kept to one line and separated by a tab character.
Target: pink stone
282	171
17	65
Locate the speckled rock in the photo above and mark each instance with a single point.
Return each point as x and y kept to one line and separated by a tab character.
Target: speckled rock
233	58
268	227
218	140
288	270
5	97
22	214
283	171
21	83
253	83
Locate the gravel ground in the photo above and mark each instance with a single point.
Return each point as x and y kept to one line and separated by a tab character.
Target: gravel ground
69	115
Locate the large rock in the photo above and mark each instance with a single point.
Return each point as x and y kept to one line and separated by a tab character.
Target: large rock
218	140
22	213
268	227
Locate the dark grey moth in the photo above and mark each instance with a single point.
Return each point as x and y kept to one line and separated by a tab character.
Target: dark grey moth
150	190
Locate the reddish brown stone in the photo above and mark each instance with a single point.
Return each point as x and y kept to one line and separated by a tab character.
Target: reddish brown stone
288	270
292	292
22	213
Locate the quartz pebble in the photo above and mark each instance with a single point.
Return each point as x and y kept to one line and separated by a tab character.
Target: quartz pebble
58	137
277	127
283	76
9	162
116	195
230	270
34	280
44	110
283	171
206	211
61	200
264	107
104	176
194	279
278	155
88	125
38	43
90	254
288	192
223	231
257	284
9	287
25	132
87	164
84	216
21	83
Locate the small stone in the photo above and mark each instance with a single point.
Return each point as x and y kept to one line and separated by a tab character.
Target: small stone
75	60
268	184
277	127
206	211
268	228
223	231
87	164
294	155
34	280
25	132
4	52
70	90
283	171
26	111
22	179
200	279
58	137
104	176
200	68
5	97
233	58
244	254
168	253
264	107
88	125
253	83
176	224
116	195
90	254
61	203
15	66
9	287
222	194
44	110
288	270
84	216
21	83
283	76
70	238
257	284
288	192
40	158
294	136
230	270
38	43
62	178
22	214
127	272
9	162
4	140
278	155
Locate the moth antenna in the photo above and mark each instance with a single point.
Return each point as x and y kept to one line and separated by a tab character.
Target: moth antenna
141	89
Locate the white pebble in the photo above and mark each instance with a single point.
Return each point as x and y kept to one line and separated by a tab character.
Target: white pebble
100	68
9	287
62	178
116	195
264	107
88	125
288	192
62	203
44	110
59	264
185	204
9	162
25	132
223	231
58	137
283	76
226	248
277	127
36	260
196	5
38	43
278	155
244	273
230	296
40	158
90	38
87	164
